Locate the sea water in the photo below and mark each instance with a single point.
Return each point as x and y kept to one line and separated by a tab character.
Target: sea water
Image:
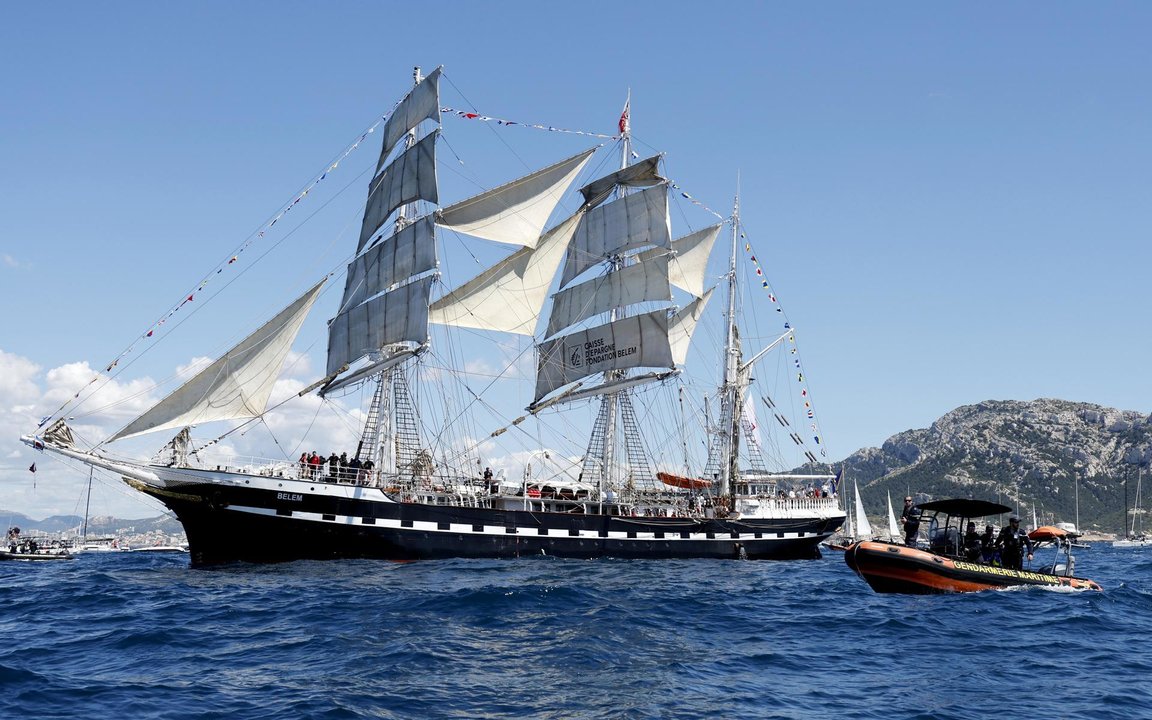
137	635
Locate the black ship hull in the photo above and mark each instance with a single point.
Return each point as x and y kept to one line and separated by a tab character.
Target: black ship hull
225	524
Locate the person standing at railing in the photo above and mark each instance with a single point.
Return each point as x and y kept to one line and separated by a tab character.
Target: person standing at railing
910	521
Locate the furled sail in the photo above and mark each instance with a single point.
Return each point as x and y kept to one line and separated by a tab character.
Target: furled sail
516	212
639	174
409	252
238	384
683	325
422	103
632	221
639	282
410	177
509	295
691	259
400	315
636	341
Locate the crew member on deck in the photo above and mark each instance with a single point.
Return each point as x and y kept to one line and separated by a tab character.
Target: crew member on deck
988	544
910	518
1012	541
972	546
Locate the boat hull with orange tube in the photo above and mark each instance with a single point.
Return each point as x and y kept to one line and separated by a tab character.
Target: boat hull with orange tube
947	566
890	568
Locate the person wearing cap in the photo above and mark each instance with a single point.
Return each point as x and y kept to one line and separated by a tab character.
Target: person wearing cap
910	519
1012	541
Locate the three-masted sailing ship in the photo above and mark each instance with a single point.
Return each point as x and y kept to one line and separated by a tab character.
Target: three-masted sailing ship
608	329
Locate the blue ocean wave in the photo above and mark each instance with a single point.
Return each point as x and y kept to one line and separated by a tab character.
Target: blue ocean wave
118	634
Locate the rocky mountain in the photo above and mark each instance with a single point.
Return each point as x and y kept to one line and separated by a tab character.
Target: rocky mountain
97	525
1053	454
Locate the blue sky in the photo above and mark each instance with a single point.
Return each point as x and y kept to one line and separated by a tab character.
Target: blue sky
951	200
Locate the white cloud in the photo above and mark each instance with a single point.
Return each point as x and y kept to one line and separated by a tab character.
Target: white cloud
10	261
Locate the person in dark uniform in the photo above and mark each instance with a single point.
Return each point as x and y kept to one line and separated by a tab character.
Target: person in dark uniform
1012	542
988	544
972	543
910	520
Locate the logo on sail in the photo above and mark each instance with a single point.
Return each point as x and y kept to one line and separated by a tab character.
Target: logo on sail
596	352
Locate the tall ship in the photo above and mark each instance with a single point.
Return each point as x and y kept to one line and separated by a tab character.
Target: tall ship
554	321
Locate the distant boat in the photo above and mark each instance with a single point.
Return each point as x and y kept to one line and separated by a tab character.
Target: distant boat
856	526
101	544
161	549
1135	538
894	534
29	548
863	527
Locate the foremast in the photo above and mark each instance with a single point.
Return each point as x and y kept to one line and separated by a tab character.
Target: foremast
391	411
384	319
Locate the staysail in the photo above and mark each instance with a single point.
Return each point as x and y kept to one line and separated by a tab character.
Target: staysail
515	213
238	384
683	325
509	295
691	252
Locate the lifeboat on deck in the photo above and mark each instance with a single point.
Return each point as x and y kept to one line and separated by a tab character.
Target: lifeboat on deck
680	481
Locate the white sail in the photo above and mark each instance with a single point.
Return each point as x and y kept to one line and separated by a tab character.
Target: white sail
683	325
690	260
422	103
636	341
410	177
409	252
893	527
397	316
508	296
238	384
639	282
863	527
633	221
515	213
642	173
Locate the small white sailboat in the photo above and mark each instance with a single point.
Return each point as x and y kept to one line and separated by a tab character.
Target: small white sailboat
894	533
1136	537
863	527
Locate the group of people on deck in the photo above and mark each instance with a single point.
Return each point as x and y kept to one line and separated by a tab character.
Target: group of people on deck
1005	549
339	468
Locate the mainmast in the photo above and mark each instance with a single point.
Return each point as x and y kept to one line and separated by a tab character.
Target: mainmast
611	401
